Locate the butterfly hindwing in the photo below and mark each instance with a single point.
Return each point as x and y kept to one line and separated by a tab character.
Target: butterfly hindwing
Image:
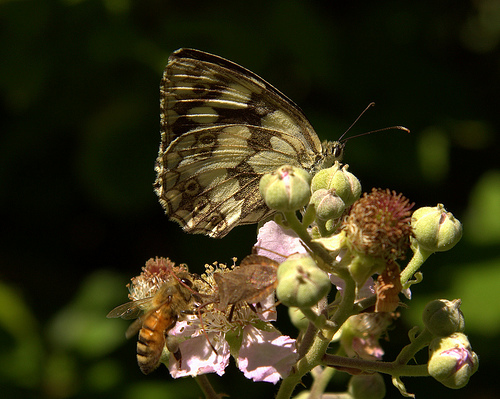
222	128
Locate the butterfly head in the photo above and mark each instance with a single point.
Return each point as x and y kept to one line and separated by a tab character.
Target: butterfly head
332	151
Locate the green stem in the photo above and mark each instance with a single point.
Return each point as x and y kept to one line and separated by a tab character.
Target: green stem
321	382
409	351
309	215
419	257
319	321
321	341
392	368
301	230
206	387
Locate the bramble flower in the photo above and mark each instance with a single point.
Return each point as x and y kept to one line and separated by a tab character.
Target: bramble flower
367	386
443	317
361	333
377	232
154	274
345	184
261	352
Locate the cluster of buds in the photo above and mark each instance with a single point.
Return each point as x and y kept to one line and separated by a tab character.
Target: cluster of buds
451	359
354	237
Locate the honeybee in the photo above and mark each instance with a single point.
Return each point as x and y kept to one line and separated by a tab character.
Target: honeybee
162	310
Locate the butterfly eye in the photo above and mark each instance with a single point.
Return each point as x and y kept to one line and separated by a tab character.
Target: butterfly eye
338	150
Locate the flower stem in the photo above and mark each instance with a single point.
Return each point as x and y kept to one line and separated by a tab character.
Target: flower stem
301	230
206	387
321	341
419	257
321	382
409	351
392	368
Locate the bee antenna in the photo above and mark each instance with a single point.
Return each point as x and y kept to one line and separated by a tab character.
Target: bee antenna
372	104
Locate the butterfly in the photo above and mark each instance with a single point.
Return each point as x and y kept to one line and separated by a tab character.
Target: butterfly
222	128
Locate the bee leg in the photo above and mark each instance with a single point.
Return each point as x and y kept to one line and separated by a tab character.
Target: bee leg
230	316
172	344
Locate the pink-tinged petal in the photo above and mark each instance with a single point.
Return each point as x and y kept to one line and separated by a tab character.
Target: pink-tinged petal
267	311
281	241
184	329
266	356
367	348
407	293
366	291
199	358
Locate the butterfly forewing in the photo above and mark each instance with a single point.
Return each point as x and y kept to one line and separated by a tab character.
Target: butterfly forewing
222	128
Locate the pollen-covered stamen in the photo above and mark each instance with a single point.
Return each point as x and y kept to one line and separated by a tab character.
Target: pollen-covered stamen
217	319
379	224
154	274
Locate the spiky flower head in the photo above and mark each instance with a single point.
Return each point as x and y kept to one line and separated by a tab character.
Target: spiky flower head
378	225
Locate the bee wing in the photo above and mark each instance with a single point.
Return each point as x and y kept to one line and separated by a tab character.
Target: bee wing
129	310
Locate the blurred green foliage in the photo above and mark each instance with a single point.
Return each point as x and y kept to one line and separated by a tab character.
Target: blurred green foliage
79	134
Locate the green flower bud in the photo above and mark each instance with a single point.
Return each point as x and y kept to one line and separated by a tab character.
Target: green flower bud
355	192
451	360
435	229
298	319
327	203
301	283
443	317
346	185
367	386
287	189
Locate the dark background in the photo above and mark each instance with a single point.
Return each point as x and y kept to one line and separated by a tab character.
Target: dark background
79	113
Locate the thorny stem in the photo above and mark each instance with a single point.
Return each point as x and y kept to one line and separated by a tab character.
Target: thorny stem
320	382
319	321
307	339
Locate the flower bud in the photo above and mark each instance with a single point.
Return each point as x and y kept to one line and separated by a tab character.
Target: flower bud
327	203
367	386
451	360
298	319
435	229
301	283
443	317
346	185
287	189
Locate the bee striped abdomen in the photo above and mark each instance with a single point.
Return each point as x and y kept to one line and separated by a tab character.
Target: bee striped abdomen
152	340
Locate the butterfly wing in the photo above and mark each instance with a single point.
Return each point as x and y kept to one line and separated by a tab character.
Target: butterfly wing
222	127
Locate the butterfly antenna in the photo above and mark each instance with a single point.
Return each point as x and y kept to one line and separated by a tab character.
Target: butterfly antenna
372	104
371	131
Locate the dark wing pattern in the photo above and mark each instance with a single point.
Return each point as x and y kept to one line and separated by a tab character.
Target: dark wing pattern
222	128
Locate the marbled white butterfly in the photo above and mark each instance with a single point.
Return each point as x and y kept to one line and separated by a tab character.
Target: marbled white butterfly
222	128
